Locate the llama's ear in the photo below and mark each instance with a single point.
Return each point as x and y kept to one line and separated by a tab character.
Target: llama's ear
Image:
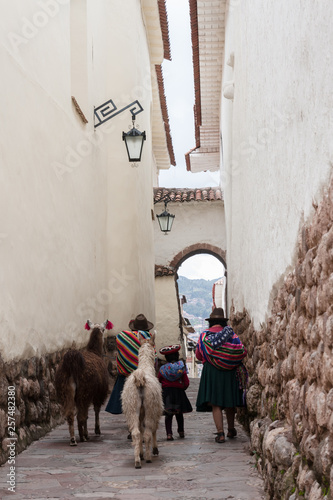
107	325
87	326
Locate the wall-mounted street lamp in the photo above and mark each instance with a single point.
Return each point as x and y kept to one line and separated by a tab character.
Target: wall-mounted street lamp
165	219
134	138
134	142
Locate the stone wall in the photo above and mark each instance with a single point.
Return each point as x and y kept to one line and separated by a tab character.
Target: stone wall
290	363
36	408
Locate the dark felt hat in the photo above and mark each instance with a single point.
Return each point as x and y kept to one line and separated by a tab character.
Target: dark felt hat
140	323
217	313
169	349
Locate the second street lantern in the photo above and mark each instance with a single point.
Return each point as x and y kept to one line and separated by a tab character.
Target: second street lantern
165	220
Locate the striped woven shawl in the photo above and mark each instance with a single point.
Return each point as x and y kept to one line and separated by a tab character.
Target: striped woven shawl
128	345
226	357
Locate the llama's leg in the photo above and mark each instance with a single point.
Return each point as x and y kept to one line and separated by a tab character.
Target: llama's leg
136	440
70	420
155	448
141	426
147	436
82	417
69	411
97	425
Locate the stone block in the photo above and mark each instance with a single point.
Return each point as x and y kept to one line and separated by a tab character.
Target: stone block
329	331
284	452
311	302
3	390
300	274
315	492
297	427
294	390
290	283
308	264
31	412
312	364
326	370
314	335
3	423
305	480
34	389
12	371
310	447
253	399
323	461
322	413
32	368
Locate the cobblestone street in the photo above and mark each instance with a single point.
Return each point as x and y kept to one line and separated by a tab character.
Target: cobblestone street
192	468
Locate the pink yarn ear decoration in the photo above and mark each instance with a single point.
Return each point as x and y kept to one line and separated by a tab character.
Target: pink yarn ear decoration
86	326
109	325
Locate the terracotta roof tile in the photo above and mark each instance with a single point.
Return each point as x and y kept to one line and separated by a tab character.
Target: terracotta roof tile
177	195
165	114
164	29
196	67
164	271
196	77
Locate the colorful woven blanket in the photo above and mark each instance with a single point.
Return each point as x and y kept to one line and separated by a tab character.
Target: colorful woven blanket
128	345
173	371
226	357
221	337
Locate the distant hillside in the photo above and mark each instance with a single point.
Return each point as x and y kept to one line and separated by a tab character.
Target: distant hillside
199	298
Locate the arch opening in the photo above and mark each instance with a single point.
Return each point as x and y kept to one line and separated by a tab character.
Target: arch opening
201	285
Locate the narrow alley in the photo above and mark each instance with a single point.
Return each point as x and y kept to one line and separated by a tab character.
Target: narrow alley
193	468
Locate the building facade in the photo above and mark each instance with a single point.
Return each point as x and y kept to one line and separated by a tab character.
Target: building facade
272	61
76	217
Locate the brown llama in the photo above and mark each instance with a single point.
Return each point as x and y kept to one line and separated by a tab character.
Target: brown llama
142	403
82	379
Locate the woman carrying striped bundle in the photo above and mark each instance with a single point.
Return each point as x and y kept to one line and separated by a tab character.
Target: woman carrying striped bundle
128	344
224	377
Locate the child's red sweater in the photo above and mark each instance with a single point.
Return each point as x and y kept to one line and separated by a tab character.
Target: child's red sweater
182	383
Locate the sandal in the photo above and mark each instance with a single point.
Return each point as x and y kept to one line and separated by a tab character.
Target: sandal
232	433
169	437
220	438
181	435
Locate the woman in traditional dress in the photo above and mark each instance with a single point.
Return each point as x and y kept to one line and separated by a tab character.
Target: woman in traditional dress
128	345
224	377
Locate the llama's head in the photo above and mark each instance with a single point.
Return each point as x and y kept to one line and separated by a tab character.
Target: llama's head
147	349
150	341
95	343
107	325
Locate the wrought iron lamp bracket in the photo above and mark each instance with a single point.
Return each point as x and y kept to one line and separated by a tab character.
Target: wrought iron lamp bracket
109	110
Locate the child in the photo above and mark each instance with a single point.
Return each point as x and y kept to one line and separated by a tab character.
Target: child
174	380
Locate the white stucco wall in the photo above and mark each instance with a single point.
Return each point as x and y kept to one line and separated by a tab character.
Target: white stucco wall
167	313
277	137
76	235
195	222
129	221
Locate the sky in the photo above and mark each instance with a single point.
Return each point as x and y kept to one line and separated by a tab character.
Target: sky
202	266
179	90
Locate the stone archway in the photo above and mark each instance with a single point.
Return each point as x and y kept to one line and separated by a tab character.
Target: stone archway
195	249
198	248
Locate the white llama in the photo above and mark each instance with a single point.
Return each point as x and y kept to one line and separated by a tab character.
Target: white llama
142	403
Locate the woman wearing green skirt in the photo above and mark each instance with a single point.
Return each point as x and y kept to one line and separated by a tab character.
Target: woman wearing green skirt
223	379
